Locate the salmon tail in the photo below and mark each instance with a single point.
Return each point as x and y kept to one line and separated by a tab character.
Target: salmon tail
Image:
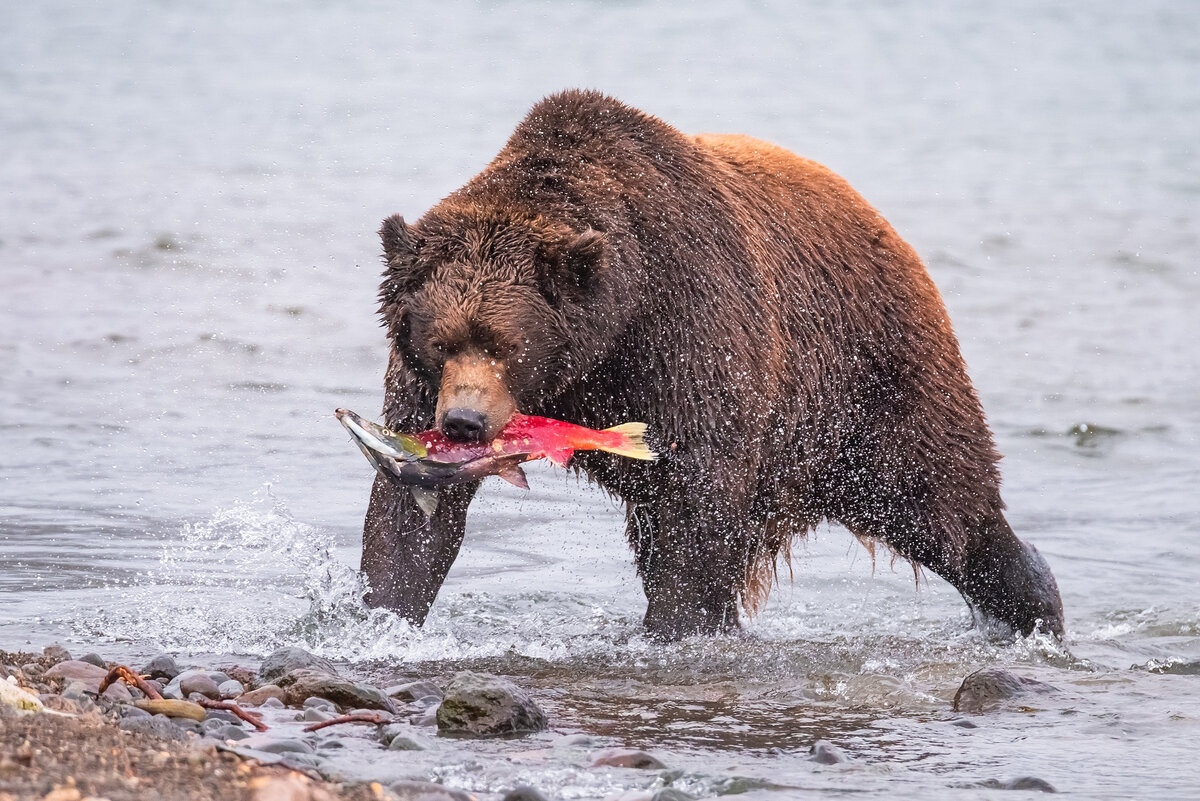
633	442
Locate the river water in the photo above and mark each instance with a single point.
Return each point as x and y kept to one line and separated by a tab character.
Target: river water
188	199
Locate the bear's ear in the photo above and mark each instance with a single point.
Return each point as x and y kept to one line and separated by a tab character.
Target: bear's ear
575	263
400	245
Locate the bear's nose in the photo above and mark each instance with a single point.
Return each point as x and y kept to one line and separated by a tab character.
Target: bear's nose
464	425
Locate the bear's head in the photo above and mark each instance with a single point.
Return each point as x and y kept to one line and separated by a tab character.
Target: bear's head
489	313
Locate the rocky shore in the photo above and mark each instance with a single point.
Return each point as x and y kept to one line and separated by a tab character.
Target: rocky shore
71	732
295	728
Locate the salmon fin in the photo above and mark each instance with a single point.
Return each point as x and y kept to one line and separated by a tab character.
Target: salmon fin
427	500
560	456
515	475
633	444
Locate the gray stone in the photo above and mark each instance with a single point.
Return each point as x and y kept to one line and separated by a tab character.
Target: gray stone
162	666
230	689
826	753
1029	783
222	715
524	793
231	732
317	700
258	697
286	746
57	653
202	684
302	684
285	660
480	705
406	742
316	714
94	659
626	758
274	703
127	711
172	692
32	670
90	676
575	740
154	726
414	691
426	791
187	724
217	676
992	688
671	794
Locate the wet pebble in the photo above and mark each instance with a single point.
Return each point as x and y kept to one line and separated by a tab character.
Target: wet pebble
826	753
94	659
222	715
317	701
154	726
56	652
90	676
230	689
259	696
286	747
274	703
284	660
414	691
32	670
199	683
524	793
671	794
575	740
316	714
162	666
127	711
626	758
1029	783
426	791
407	742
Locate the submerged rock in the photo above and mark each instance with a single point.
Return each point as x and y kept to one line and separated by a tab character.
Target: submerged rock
283	661
992	688
626	758
524	793
826	753
1029	783
480	705
300	685
427	791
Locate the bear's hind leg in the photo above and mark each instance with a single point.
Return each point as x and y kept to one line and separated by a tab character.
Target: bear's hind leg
998	574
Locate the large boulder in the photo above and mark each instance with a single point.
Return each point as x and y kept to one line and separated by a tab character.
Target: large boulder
285	660
480	705
300	685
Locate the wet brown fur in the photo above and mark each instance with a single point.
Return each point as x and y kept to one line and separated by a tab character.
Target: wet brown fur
784	344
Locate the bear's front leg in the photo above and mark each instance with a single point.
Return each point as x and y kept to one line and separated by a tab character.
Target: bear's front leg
691	567
407	555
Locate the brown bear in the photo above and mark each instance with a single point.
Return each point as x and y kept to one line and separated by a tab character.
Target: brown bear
784	343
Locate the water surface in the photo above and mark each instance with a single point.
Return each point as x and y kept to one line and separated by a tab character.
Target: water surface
187	275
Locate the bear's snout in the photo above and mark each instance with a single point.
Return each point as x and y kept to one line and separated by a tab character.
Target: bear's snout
474	402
